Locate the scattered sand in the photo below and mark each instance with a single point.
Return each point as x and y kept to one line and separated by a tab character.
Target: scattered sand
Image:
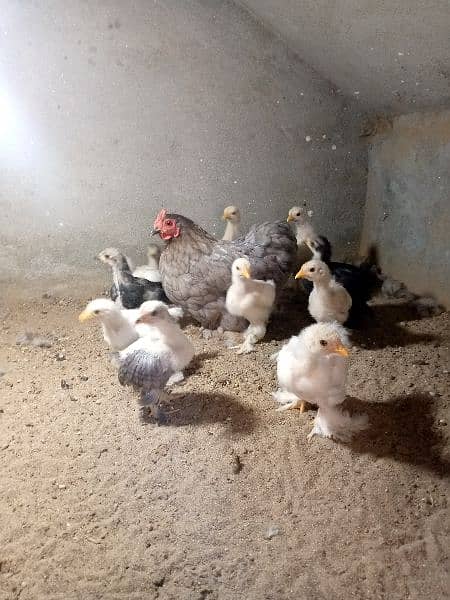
229	501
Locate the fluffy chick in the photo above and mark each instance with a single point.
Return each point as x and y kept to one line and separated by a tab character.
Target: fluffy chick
328	301
150	271
118	325
232	216
312	367
149	362
252	299
128	290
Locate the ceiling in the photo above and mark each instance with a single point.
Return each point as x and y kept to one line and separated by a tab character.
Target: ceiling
391	55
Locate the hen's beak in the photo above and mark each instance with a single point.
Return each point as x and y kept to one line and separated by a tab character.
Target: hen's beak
154	231
84	316
246	272
340	349
300	274
290	219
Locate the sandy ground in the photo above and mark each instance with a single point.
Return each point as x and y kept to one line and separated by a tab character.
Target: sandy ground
229	501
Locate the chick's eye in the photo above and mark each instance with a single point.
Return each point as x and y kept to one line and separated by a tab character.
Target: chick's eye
323	342
312	269
298	214
96	312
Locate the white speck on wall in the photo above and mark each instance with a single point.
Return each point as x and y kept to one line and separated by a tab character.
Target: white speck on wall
333	147
356	93
400	54
302	94
61	224
324	137
235	181
308	138
310	213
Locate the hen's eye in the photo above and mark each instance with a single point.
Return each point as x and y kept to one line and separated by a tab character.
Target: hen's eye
312	269
323	342
107	256
169	222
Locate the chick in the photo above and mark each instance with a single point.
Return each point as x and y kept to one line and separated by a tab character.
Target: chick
328	300
128	290
232	216
149	362
118	325
150	271
303	231
312	367
252	299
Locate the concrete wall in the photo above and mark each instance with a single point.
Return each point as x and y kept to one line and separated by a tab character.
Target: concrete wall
392	55
111	110
408	202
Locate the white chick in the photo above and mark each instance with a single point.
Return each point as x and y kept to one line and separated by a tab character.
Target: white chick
328	301
232	216
119	330
150	271
312	367
119	325
150	362
252	299
303	229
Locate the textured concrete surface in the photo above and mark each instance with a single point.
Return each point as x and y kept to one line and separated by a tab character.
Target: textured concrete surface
111	111
408	202
391	55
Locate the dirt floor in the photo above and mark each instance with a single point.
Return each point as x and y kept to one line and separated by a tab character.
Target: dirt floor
228	501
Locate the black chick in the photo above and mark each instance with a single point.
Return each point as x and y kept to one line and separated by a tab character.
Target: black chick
132	291
359	281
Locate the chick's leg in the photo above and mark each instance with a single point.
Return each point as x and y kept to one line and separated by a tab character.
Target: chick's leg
252	335
149	402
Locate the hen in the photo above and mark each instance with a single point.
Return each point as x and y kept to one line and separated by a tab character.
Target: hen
196	268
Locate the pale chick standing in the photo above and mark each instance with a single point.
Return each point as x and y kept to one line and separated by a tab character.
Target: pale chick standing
328	301
252	299
312	367
232	216
151	361
150	271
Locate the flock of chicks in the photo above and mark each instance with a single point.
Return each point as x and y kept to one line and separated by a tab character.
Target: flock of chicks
140	321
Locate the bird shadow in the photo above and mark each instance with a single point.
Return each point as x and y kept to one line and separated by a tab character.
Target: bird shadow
198	360
200	408
403	428
385	327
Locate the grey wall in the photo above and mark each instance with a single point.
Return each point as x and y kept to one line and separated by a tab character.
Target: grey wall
392	55
408	202
111	110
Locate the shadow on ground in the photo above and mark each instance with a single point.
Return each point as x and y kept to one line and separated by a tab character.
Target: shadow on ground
405	429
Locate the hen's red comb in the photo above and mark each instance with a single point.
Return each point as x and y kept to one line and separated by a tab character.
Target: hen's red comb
159	221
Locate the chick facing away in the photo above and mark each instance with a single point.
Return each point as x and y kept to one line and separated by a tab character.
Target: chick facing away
328	301
150	362
252	299
312	367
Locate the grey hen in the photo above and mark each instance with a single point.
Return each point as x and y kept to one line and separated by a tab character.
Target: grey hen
196	268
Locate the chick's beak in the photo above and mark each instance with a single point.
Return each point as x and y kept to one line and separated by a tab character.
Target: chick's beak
290	219
300	274
246	272
225	216
340	349
84	316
